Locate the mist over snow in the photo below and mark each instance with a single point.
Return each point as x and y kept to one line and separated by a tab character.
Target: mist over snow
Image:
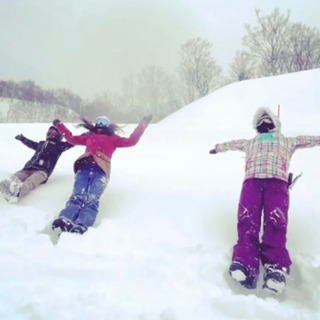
162	242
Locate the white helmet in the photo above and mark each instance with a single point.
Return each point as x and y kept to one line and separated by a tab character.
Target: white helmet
102	121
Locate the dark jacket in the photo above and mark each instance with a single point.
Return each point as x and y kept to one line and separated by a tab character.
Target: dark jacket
46	154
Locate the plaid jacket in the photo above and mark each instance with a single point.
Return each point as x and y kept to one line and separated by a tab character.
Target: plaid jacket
268	154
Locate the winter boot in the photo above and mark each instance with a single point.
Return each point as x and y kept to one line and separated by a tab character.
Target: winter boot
274	279
79	228
62	223
15	185
5	189
241	274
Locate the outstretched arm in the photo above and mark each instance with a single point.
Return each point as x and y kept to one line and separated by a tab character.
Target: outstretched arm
235	145
135	135
301	142
81	140
29	143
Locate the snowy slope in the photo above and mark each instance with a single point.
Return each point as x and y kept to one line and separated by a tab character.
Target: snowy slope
162	242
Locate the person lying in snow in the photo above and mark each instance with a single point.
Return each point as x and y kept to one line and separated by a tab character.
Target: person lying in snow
265	187
92	170
38	169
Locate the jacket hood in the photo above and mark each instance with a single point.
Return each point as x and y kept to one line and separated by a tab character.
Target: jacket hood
262	111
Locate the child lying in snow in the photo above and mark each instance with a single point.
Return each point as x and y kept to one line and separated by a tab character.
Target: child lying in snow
38	169
92	170
265	187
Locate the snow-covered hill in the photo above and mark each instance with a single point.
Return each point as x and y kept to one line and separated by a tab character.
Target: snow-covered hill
162	242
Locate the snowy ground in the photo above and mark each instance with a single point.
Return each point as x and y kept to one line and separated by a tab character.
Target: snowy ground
162	242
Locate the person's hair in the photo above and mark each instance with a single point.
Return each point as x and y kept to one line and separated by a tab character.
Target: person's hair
110	130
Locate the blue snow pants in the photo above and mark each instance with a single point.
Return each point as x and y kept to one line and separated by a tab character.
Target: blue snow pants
82	207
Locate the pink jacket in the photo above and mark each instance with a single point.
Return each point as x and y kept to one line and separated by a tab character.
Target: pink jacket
100	146
268	155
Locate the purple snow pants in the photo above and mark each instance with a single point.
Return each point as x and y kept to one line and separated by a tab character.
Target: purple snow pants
272	197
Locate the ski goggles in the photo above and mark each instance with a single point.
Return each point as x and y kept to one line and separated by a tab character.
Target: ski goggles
265	119
102	122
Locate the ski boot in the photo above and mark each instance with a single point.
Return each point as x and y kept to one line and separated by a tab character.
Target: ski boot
274	279
62	223
241	274
10	189
78	228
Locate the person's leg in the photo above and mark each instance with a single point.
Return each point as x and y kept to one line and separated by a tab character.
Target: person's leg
23	174
78	196
274	254
21	183
96	186
246	251
10	186
273	247
30	180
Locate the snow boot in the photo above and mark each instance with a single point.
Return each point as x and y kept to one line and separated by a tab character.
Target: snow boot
241	274
5	189
274	279
15	185
79	228
62	223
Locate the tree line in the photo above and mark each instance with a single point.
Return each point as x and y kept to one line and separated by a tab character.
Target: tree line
276	46
273	45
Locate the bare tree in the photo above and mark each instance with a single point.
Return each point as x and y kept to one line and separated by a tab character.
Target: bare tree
277	46
198	69
242	67
155	92
125	101
267	42
152	90
304	48
65	97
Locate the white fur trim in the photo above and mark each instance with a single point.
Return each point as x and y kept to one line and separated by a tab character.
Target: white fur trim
276	121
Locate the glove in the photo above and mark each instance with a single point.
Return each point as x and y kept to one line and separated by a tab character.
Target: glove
19	137
213	151
55	122
147	119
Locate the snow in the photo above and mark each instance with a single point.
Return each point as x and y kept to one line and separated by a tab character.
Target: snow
162	242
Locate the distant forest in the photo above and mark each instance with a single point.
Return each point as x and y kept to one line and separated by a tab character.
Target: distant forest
272	46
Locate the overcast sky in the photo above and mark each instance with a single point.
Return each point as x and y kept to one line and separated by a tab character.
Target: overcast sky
88	46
